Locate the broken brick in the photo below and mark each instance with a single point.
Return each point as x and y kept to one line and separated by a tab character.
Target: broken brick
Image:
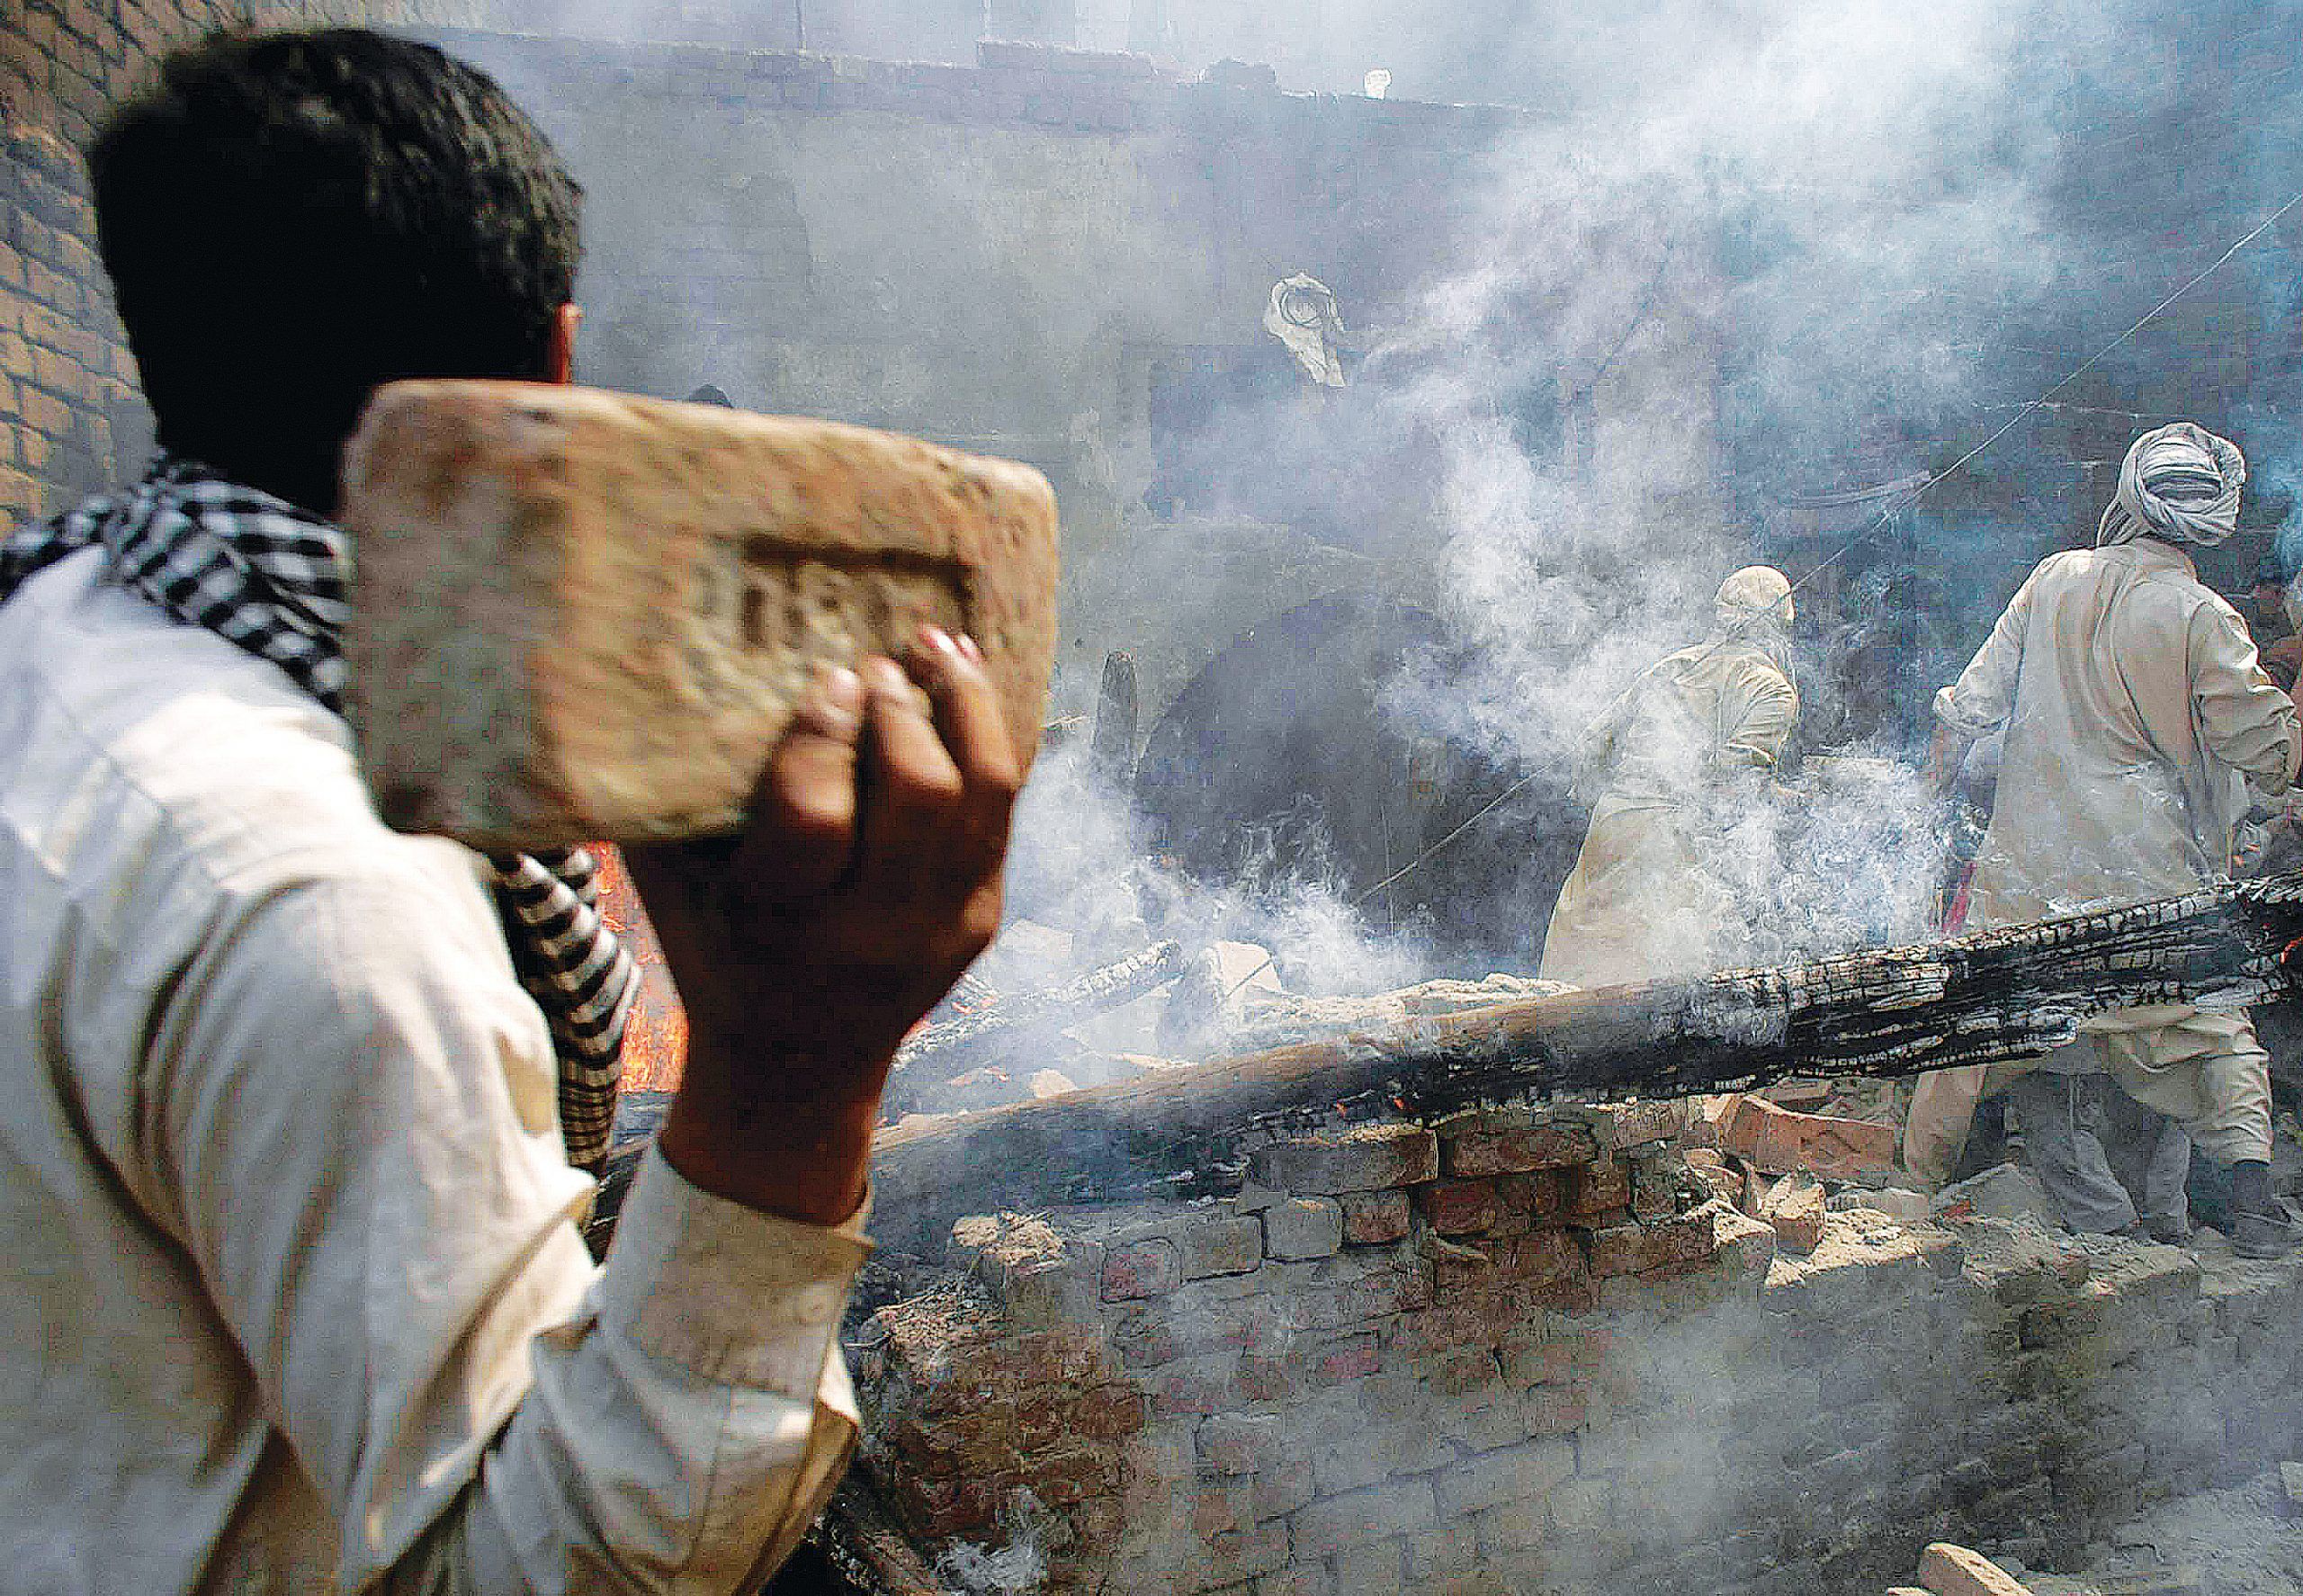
1779	1141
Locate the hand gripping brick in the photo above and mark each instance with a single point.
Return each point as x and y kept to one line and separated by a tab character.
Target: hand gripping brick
581	615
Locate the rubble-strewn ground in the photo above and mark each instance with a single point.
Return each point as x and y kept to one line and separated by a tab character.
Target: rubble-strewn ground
2241	1541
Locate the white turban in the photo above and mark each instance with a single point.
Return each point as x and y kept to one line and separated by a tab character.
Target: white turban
2178	483
1755	593
1754	607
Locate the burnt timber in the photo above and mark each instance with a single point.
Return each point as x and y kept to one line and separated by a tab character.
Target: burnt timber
1992	997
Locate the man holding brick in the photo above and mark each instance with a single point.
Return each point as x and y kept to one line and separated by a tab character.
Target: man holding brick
299	1301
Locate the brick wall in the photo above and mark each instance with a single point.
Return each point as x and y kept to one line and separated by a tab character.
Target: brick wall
1541	1353
70	418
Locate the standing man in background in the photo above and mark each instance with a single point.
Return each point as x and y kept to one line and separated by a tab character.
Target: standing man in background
1688	747
2135	713
300	1303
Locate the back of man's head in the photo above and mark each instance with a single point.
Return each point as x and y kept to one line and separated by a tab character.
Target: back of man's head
290	220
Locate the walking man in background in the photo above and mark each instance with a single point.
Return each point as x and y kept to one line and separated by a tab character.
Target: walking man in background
2135	713
1686	750
300	1304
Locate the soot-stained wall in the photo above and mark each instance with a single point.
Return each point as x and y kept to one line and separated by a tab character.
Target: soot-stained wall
1057	255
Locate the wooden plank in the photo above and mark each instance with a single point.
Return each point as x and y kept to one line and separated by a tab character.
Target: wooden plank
1998	995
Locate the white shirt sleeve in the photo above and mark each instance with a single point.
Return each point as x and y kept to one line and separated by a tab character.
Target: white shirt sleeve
1981	701
351	1128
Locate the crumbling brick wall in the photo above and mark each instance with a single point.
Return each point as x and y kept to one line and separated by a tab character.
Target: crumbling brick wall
1535	1352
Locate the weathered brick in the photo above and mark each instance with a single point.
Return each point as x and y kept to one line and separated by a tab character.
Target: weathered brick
1141	1269
1545	1145
1356	1518
1302	1228
1220	1243
1507	1474
1240	1443
1631	1123
1371	1218
1634	1249
1109	1412
1596	1187
1367	1159
1779	1141
1459	1208
1379	1569
1272	1493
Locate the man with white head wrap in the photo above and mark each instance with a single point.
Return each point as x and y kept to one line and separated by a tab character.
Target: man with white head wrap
1643	902
2136	712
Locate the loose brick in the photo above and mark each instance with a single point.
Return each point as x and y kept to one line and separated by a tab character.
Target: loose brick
1367	1159
1459	1208
1795	1208
1620	1126
1779	1141
1302	1228
1219	1244
1547	1145
773	545
1950	1570
1141	1269
1371	1218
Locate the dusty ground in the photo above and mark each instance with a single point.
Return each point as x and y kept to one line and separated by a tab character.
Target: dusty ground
2237	1542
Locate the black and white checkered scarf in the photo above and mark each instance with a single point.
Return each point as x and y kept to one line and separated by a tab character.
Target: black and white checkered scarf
264	575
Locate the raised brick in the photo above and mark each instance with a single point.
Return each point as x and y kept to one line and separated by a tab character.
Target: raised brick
1302	1228
1367	1159
1371	1218
1141	1269
1545	1145
1219	1244
1459	1208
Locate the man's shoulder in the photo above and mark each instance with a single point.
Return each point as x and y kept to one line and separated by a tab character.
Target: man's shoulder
186	745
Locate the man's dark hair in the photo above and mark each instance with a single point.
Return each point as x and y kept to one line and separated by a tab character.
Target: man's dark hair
292	219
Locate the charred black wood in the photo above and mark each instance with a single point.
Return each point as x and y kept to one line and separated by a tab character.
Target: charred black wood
936	1055
855	1549
1998	995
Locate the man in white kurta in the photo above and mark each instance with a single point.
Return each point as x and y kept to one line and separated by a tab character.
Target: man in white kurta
2135	713
1643	902
297	1300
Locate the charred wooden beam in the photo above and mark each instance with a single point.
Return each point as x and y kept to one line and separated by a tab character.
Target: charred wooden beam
958	1045
1998	995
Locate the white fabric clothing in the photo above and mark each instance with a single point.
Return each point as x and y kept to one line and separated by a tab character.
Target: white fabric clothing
299	1301
2134	709
2135	714
1643	902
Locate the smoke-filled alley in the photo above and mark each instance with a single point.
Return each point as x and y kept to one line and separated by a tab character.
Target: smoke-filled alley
965	796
